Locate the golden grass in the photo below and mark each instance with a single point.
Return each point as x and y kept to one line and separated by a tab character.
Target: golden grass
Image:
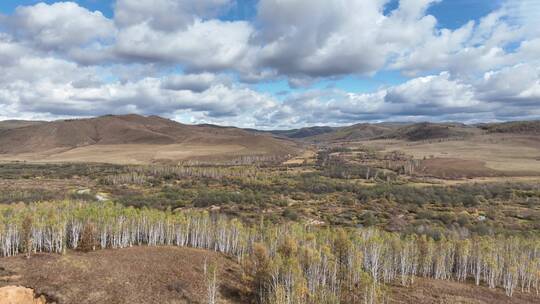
131	154
507	153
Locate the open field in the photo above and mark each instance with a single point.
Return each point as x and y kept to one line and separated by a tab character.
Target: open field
483	155
134	154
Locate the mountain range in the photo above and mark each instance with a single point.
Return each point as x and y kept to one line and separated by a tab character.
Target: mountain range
152	138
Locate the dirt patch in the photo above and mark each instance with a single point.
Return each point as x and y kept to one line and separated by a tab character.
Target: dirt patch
19	295
133	275
426	291
454	168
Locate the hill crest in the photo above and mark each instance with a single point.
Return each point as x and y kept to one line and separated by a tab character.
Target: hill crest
130	129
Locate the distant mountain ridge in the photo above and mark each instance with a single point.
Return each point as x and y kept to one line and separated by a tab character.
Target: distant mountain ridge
430	131
519	127
405	131
128	129
303	132
18	136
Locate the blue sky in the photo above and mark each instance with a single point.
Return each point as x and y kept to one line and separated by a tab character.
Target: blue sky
269	63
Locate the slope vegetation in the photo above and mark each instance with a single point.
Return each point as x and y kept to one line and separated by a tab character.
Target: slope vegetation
365	131
431	131
519	127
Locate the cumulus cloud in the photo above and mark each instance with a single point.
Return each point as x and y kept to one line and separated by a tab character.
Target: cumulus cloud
513	85
203	45
436	98
59	25
179	59
37	86
166	15
320	38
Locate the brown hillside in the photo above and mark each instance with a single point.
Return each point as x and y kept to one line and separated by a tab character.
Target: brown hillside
516	127
353	133
432	131
125	129
135	137
12	124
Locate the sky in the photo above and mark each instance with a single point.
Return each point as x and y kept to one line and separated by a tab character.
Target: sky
272	64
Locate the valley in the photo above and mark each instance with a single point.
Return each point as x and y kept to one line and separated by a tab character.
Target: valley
434	202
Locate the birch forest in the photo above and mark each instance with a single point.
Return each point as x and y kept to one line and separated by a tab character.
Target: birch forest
286	263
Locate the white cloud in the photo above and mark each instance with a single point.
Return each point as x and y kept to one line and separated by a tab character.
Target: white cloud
52	87
516	84
166	15
193	82
203	45
60	25
432	91
320	38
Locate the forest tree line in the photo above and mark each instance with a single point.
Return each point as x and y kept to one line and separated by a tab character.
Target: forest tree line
292	263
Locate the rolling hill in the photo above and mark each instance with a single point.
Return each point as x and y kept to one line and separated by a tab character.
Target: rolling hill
303	132
110	138
355	132
322	134
431	131
516	127
366	131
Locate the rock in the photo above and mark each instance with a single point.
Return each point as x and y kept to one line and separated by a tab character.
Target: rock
19	295
83	191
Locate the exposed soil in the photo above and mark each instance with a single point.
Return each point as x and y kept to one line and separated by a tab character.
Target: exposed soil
19	295
158	275
454	168
426	291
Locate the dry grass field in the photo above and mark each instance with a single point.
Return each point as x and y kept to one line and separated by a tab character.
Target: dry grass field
132	153
482	155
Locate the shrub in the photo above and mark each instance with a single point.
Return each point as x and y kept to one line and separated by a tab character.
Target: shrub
88	239
290	214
